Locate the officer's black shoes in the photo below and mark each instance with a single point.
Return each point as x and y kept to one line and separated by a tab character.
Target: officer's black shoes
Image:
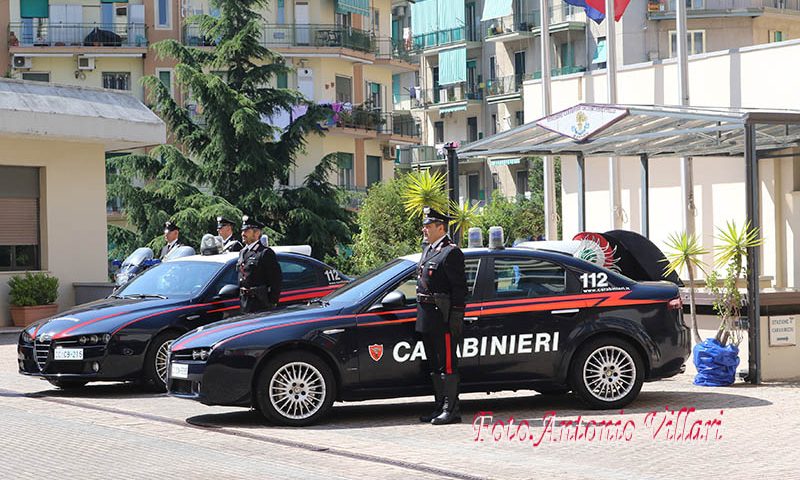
451	413
438	395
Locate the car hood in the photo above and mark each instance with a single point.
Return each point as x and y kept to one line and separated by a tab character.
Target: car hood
101	316
212	334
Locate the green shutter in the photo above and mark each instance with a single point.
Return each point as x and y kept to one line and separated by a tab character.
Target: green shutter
166	78
34	9
496	9
395	88
453	66
359	7
282	80
344	160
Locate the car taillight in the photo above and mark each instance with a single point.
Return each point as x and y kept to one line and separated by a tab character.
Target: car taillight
675	304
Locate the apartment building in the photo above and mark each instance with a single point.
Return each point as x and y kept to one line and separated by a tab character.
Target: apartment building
342	51
494	47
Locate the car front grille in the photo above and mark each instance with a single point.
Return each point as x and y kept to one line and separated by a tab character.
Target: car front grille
41	352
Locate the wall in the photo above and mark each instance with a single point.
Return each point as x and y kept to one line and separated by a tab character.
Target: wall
72	210
62	71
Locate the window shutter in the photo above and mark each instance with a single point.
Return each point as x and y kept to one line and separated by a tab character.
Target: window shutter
20	220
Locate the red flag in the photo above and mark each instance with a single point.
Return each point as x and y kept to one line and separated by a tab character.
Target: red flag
619	7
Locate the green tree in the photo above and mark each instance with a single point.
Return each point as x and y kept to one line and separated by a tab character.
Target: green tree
227	157
520	218
536	181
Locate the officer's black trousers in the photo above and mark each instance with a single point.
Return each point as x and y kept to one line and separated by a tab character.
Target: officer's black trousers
440	349
251	304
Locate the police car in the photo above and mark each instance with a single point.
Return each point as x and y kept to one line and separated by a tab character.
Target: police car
535	319
126	336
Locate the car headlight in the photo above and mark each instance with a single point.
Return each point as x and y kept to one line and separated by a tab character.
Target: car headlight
95	339
201	353
26	337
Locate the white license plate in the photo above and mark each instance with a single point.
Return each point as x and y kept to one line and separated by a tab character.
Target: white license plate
68	354
179	370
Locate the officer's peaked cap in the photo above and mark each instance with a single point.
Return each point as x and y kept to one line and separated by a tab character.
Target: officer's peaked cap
222	221
169	226
250	222
430	215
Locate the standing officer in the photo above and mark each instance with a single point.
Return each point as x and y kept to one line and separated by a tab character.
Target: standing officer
171	233
441	293
225	230
259	271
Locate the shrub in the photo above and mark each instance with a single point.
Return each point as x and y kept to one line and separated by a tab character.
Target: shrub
33	289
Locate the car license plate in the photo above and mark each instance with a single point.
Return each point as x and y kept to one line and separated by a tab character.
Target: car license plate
180	370
68	354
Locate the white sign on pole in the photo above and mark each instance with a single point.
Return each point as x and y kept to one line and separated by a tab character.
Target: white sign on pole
582	121
782	331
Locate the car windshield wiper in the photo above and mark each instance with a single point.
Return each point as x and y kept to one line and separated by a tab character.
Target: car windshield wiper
144	295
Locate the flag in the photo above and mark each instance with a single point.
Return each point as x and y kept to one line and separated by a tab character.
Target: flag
600	6
591	12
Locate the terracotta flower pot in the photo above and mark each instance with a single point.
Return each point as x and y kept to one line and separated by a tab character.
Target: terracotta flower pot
24	316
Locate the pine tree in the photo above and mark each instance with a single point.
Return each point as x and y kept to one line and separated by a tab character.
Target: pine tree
226	158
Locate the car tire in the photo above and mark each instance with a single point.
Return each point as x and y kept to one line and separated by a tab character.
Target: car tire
65	384
607	373
295	389
155	362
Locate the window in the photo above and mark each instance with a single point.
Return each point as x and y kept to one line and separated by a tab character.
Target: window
163	14
776	36
165	75
344	19
282	80
696	42
281	11
409	286
522	182
344	89
374	95
472	129
599	58
438	132
474	188
492	68
376	21
19	215
117	80
519	66
36	76
494	123
229	277
345	163
519	118
373	169
527	277
296	275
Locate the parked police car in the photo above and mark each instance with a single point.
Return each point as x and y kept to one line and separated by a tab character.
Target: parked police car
127	336
534	319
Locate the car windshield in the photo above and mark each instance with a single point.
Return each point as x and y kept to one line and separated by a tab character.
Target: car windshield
367	284
172	279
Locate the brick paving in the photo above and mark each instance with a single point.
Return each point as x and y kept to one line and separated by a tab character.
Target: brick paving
109	429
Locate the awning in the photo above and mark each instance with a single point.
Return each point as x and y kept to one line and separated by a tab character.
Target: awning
424	17
359	7
454	108
453	66
496	9
600	52
450	15
504	161
34	9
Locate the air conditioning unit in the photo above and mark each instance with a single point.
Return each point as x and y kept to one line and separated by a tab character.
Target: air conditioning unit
389	152
85	63
21	62
121	11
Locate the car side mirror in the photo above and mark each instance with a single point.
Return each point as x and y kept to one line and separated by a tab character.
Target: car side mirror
228	291
394	299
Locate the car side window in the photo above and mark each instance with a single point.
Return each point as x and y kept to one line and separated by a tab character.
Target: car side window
229	277
409	285
527	277
296	275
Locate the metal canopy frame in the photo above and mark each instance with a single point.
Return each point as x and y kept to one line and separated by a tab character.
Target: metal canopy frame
653	131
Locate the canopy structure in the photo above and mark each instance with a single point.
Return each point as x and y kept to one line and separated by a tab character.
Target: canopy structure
651	131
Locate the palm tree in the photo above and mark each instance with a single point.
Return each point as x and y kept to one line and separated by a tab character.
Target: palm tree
464	217
425	190
684	251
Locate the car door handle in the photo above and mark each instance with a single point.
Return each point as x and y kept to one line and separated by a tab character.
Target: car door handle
333	331
565	311
192	317
470	319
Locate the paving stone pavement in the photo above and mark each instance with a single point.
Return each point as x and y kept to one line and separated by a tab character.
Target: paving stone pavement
110	430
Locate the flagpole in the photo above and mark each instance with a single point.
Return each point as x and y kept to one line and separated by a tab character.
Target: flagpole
550	221
687	182
611	81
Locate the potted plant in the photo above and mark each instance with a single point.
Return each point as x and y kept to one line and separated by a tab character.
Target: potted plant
32	297
716	358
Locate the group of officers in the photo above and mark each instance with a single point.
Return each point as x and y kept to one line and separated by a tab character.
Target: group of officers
441	295
259	272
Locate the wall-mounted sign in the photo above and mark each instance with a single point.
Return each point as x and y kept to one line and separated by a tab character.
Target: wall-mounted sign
582	121
782	331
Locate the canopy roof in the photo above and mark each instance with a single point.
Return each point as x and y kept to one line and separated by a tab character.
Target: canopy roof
653	130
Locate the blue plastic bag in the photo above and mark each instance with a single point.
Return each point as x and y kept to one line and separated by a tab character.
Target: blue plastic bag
716	364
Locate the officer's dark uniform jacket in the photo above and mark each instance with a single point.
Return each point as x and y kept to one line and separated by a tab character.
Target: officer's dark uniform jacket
166	249
259	278
230	244
440	273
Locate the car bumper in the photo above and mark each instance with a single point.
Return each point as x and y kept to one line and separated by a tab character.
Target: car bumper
212	384
97	364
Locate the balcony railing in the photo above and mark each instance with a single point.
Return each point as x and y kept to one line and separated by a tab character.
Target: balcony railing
504	85
387	48
400	124
511	24
669	6
555	72
410	156
457	92
445	37
43	33
297	35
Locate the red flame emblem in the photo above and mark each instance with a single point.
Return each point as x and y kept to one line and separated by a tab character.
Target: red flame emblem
376	352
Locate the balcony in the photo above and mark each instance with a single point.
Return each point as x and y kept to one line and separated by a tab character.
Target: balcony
666	9
450	98
278	36
42	33
400	127
510	28
431	42
556	72
419	156
504	88
395	53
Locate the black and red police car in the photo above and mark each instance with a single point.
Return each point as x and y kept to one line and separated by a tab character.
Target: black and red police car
534	320
127	335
